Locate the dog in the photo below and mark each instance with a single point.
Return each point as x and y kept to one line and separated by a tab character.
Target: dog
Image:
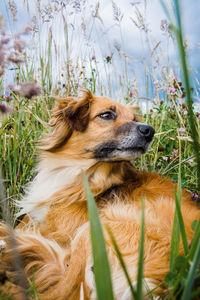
100	137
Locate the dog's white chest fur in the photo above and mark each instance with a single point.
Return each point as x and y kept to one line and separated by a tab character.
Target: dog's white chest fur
52	176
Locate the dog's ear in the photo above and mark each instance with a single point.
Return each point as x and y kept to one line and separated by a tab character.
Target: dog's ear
136	112
77	112
70	114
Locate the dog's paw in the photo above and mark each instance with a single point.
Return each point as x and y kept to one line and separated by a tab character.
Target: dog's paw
2	245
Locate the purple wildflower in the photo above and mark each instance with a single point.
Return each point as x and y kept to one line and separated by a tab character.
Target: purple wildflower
6	97
195	196
198	117
172	91
4	108
93	57
131	94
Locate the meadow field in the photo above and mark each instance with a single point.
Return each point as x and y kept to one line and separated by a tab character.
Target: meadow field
33	70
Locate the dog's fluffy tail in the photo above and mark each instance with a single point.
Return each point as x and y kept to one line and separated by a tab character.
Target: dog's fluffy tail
45	262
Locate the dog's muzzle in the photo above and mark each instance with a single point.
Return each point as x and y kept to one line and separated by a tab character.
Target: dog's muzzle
129	141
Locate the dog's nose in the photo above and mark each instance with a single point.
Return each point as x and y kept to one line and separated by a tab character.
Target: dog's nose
146	131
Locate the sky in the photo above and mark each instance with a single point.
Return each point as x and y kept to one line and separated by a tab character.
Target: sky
147	45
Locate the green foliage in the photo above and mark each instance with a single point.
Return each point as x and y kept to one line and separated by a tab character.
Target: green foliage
18	134
139	290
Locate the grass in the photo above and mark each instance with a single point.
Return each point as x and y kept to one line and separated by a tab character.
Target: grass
173	153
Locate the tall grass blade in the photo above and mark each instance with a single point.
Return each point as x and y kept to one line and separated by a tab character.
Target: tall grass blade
175	240
178	197
191	275
100	259
196	239
133	292
181	225
141	258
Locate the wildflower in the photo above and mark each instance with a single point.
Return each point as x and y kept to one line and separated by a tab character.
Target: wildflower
181	130
195	196
26	89
93	57
4	108
172	91
174	154
6	97
198	117
131	94
165	158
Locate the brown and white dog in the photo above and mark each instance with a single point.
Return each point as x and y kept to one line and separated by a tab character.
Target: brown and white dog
100	137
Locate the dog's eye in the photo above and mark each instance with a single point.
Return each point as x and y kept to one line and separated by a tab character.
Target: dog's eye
108	115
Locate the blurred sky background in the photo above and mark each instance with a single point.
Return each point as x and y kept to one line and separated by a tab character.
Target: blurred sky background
137	31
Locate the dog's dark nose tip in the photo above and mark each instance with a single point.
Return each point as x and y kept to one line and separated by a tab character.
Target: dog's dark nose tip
146	131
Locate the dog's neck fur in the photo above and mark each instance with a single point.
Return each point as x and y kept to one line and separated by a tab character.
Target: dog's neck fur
61	180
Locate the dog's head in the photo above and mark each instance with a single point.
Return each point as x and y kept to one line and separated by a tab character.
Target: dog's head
97	128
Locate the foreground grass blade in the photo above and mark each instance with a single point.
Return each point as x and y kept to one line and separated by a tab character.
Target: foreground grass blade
191	275
100	259
175	240
133	292
178	197
181	225
195	240
141	258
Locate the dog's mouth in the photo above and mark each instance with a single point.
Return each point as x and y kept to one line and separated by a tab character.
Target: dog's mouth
124	149
115	151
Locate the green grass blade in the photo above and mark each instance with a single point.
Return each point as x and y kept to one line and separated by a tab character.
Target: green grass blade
141	258
100	259
175	241
133	292
181	225
195	240
191	275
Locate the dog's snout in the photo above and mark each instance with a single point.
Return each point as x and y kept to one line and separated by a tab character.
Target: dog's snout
146	131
